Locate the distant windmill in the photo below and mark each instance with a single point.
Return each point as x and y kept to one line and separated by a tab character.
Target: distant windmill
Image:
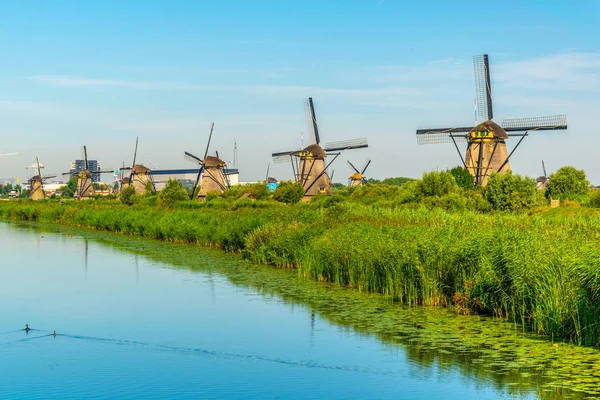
85	188
358	177
542	181
36	183
486	147
213	171
139	175
308	164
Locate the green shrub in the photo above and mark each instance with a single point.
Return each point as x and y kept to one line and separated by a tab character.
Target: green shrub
288	192
595	198
436	184
568	183
462	177
510	192
128	195
171	193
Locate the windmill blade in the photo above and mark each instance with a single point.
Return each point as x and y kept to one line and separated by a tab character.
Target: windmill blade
548	123
197	181
483	88
544	168
280	159
331	177
442	135
268	167
212	125
37	162
365	168
346	145
311	120
85	157
192	158
352	166
49	177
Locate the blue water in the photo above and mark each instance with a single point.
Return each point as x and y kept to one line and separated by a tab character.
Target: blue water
129	327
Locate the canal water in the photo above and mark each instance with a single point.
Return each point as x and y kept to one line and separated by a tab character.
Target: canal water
142	319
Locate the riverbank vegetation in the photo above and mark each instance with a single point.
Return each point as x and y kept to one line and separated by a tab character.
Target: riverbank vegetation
501	251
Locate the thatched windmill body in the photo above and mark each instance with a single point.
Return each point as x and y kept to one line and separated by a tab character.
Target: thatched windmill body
309	164
85	188
358	177
486	147
36	183
212	175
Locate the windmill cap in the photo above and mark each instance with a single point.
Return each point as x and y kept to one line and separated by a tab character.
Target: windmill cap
36	178
140	168
316	150
490	125
212	161
356	175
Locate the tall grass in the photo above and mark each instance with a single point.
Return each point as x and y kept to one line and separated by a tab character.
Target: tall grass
541	271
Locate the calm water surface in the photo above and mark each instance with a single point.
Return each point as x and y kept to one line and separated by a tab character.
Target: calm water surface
132	324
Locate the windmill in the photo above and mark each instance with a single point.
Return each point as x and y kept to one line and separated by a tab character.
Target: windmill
308	164
486	146
358	177
85	189
139	175
36	183
213	171
542	181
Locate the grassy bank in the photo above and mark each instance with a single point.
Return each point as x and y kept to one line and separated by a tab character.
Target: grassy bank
541	271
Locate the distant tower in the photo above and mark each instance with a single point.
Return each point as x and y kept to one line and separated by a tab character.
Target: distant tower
235	155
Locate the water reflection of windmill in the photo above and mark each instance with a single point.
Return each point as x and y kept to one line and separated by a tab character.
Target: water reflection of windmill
213	171
36	182
358	177
308	164
85	178
486	147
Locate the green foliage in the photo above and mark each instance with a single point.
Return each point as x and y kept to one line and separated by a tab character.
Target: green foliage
462	177
128	195
510	192
568	183
212	195
149	189
539	271
398	181
595	198
436	184
171	193
288	192
70	188
259	190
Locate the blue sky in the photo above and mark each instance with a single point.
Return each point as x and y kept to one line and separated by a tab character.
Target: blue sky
101	73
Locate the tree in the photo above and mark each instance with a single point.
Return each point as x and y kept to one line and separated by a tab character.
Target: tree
172	193
128	195
70	188
568	182
149	189
462	177
288	192
436	184
510	192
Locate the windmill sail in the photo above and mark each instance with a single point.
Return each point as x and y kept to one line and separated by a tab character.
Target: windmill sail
311	120
442	135
483	88
552	122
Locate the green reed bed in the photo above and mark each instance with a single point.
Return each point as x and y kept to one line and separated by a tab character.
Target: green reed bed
541	271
